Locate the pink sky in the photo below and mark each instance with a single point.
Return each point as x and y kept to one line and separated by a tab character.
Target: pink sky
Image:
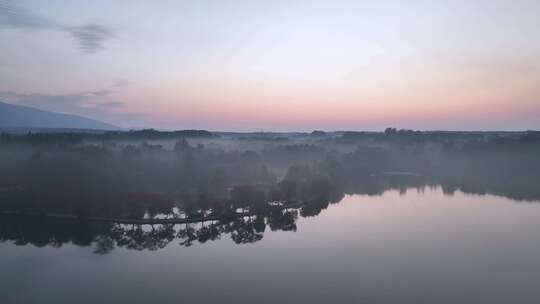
284	65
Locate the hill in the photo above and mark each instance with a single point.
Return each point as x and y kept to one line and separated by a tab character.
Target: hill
23	117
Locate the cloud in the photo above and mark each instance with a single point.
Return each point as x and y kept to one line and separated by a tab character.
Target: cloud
59	103
101	93
12	16
112	104
93	104
89	36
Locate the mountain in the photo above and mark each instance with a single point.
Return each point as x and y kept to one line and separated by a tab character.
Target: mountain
15	116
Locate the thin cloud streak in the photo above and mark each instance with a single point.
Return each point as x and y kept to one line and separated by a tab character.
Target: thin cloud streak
101	105
12	16
90	37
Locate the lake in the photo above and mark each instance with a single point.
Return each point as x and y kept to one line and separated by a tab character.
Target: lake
413	246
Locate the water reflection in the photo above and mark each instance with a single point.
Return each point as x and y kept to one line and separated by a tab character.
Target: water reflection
106	236
413	246
151	222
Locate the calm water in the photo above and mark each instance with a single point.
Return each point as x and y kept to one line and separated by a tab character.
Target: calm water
395	248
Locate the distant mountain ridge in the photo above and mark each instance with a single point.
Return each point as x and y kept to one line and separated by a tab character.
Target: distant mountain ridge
15	116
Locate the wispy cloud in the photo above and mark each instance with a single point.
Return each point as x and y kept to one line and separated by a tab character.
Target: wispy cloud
12	16
90	37
98	104
111	104
108	90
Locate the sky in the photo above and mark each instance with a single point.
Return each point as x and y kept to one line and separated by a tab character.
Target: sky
277	65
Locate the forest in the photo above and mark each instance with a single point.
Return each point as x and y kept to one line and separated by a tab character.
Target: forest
198	185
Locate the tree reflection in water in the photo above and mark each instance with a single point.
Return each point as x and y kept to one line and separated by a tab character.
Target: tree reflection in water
243	221
105	236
